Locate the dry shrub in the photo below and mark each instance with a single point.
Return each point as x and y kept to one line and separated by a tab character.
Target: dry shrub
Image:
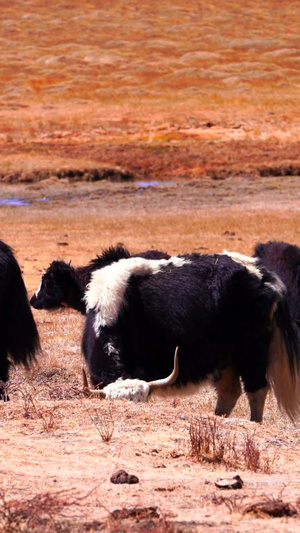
213	442
234	503
266	506
4	387
208	443
31	406
35	514
252	453
103	422
141	519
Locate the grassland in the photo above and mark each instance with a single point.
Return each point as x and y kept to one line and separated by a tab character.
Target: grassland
205	97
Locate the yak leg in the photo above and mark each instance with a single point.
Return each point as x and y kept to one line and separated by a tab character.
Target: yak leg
229	389
257	402
253	374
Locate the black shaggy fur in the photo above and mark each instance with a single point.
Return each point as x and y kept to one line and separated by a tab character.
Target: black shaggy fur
62	285
19	338
284	259
213	308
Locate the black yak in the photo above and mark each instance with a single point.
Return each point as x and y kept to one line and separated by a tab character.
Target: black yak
226	312
64	286
284	259
19	338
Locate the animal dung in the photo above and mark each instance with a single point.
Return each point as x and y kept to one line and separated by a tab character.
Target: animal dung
120	476
235	482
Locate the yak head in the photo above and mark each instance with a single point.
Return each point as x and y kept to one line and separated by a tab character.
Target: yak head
136	390
54	288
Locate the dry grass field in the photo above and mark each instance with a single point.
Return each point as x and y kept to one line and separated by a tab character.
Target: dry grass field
204	98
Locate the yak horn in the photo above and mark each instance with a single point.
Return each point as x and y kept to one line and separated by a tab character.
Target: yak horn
153	385
91	392
164	382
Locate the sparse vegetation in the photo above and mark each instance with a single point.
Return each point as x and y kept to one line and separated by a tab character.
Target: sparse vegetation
102	420
214	442
43	512
204	95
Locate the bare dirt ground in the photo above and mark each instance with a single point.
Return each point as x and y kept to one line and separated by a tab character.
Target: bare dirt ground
96	101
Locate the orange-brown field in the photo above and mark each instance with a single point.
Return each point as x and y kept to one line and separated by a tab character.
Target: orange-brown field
203	97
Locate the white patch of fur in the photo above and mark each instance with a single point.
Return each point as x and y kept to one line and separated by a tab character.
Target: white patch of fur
105	292
135	390
246	261
110	349
38	291
251	263
138	390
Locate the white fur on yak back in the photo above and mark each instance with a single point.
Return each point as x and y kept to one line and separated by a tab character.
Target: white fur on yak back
249	262
106	290
255	266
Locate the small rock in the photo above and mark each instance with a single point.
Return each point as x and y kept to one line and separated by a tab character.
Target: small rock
230	233
275	508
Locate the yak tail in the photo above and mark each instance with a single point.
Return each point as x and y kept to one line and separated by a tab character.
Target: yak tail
284	365
19	328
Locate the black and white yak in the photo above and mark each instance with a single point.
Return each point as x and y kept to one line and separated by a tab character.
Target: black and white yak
64	286
284	259
19	338
226	313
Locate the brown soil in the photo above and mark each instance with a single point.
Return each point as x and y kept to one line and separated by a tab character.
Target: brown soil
94	101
